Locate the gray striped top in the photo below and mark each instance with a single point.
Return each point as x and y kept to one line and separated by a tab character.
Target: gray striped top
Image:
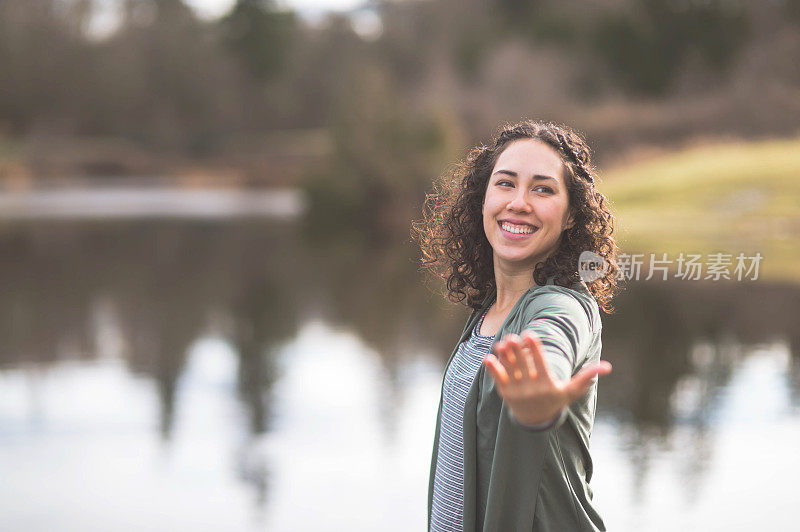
448	484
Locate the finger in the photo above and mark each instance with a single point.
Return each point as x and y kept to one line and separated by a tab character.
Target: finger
524	358
526	363
495	369
513	355
528	346
537	353
501	351
512	345
578	385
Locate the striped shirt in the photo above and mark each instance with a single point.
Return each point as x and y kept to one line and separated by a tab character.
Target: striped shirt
448	485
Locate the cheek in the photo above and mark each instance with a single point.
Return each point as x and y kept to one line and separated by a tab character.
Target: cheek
550	214
488	208
493	203
555	212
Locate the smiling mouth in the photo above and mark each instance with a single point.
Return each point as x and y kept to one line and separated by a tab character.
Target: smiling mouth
521	229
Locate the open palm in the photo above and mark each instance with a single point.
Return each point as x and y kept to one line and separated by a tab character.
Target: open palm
520	374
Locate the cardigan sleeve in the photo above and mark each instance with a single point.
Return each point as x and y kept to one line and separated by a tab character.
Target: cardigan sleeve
544	425
563	325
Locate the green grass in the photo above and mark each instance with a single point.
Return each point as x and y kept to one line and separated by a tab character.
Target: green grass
730	198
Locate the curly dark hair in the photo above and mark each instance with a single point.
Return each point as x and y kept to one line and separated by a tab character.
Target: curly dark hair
451	235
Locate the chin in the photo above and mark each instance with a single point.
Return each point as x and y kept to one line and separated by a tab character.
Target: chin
518	259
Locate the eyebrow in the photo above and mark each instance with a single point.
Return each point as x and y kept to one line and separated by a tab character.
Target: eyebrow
538	177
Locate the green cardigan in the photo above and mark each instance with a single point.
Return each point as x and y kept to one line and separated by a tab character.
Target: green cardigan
520	480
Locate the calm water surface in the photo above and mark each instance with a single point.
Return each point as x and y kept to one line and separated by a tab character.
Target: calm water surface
247	376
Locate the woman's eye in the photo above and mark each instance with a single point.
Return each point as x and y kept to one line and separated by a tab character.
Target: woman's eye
540	188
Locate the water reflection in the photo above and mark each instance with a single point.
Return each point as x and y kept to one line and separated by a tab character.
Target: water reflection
675	348
305	364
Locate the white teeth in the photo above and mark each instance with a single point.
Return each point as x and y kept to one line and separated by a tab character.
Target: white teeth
518	229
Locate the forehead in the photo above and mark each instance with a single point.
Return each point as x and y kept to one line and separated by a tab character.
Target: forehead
529	157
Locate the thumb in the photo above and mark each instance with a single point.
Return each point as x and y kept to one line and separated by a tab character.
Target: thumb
578	385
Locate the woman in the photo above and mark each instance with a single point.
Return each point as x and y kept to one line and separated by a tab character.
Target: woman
506	232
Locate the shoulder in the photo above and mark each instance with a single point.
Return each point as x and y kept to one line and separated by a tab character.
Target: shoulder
574	303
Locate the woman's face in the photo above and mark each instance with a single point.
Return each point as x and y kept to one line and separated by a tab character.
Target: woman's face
526	206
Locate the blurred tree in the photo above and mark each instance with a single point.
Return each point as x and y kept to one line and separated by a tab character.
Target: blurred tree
792	9
320	70
384	156
647	44
260	35
409	34
167	80
164	82
39	59
539	21
78	16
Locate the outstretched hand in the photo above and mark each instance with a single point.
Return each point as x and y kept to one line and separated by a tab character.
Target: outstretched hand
520	374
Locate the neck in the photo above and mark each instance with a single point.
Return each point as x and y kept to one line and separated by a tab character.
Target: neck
511	284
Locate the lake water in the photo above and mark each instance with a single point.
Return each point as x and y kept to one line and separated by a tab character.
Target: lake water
249	375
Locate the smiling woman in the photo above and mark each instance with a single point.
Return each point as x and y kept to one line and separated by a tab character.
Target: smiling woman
511	449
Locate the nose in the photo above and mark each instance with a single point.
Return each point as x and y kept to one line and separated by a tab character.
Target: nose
520	201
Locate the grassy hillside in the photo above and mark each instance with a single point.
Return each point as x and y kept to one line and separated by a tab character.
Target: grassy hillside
725	198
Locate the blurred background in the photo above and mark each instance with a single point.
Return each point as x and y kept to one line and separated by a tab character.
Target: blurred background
212	316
